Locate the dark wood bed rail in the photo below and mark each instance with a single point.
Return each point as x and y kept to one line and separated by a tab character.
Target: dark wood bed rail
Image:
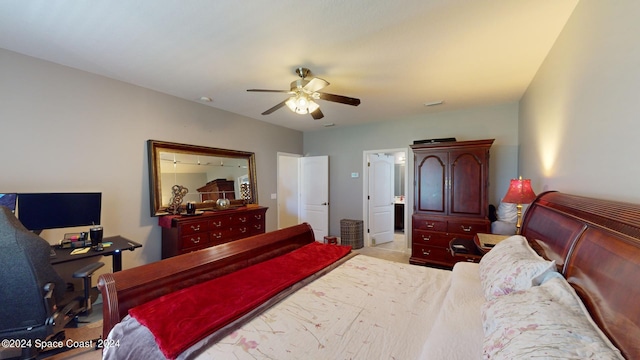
126	289
597	244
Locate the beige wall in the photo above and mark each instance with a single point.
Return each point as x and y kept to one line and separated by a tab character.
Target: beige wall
579	122
65	130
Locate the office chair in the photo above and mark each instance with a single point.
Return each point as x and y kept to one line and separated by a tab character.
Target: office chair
34	303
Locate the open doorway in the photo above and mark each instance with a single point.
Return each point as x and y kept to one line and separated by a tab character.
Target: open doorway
384	199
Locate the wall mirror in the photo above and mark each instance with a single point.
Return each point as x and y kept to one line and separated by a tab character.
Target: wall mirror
208	173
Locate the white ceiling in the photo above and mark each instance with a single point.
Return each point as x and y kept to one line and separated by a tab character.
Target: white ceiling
393	55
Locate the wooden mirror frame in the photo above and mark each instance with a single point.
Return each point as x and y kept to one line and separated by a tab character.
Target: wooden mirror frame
154	147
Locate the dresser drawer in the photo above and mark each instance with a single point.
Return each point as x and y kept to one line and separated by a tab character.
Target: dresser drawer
195	240
242	219
424	223
194	227
191	233
250	229
220	223
430	238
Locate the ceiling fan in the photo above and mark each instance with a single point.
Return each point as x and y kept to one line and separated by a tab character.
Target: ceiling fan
303	94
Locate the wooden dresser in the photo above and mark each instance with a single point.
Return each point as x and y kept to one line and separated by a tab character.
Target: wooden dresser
190	233
451	198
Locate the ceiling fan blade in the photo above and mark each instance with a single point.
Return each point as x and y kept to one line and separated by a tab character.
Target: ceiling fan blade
340	99
281	104
315	84
264	90
317	115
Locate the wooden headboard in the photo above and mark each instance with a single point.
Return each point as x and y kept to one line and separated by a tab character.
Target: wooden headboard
596	244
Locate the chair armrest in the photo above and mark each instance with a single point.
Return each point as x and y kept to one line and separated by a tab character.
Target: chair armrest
49	302
87	270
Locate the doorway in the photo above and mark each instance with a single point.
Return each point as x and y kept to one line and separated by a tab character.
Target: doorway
303	192
377	219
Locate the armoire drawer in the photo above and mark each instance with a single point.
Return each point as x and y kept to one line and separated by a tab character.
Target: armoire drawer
430	238
431	255
425	223
468	228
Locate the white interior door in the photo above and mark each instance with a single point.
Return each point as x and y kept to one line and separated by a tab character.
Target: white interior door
314	194
381	199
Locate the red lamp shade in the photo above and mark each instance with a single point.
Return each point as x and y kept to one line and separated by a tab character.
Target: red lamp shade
520	192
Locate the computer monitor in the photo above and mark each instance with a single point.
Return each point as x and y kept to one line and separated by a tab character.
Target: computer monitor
40	211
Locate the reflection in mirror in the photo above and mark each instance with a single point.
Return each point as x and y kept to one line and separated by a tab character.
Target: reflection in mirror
207	173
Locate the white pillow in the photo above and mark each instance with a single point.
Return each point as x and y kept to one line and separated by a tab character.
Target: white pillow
512	265
507	212
546	321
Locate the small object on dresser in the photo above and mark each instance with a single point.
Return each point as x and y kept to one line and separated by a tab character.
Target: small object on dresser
191	208
179	192
222	203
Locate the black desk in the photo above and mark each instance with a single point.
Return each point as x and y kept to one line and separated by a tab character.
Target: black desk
115	250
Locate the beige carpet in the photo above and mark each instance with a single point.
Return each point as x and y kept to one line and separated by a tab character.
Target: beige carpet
81	334
87	332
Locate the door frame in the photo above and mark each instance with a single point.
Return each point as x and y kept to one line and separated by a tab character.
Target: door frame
365	190
280	196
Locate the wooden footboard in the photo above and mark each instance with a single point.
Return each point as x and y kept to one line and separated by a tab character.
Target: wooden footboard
126	289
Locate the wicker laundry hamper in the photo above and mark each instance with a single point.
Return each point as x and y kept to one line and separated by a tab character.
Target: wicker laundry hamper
351	233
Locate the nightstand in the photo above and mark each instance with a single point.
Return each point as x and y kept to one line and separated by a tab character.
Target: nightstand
484	242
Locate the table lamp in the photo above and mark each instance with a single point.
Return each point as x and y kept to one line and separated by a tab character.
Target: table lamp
519	193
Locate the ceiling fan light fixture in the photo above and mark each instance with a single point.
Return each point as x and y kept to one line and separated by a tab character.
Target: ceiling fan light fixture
301	104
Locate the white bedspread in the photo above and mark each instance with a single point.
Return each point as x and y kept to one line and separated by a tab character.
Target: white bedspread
366	308
457	332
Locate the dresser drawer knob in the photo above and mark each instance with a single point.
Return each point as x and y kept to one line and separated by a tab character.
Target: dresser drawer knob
243	219
431	225
426	253
217	236
243	230
257	226
195	227
195	241
426	238
258	217
466	229
217	224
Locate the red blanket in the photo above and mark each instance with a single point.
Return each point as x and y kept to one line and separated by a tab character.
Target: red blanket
182	318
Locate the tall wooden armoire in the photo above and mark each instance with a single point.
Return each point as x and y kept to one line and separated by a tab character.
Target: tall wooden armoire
451	197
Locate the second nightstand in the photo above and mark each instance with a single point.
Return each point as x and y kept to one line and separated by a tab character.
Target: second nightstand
484	242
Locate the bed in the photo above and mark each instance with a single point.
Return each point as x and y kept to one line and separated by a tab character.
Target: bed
567	288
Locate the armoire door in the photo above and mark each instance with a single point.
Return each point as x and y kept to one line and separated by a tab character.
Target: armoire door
431	178
467	182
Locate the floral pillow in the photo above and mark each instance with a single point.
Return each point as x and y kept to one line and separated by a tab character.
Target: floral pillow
546	321
512	265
